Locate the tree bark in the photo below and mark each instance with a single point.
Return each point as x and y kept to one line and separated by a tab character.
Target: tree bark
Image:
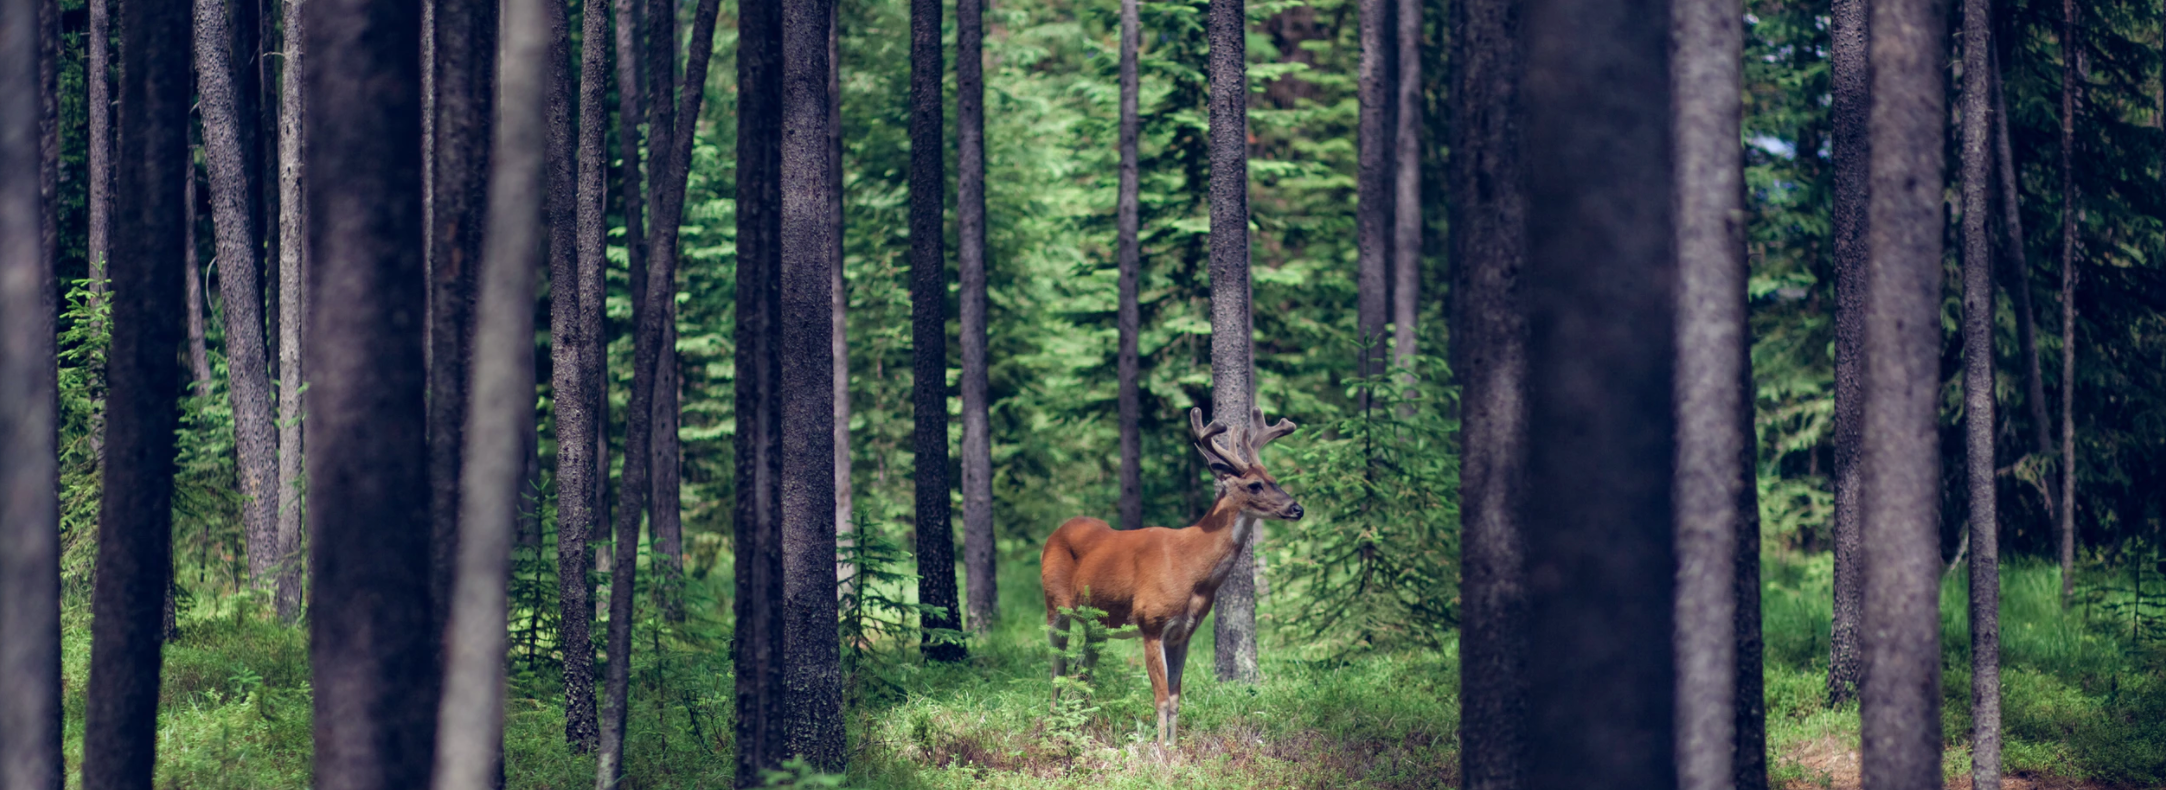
1750	766
199	354
761	730
1488	349
631	115
1233	361
1602	345
1899	464
98	72
1851	92
292	313
135	549
929	334
1129	254
575	339
2015	253
1374	219
30	722
978	547
845	572
470	723
1978	406
812	707
1713	357
1406	194
2071	202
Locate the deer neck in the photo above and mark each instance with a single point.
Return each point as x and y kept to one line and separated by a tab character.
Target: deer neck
1230	527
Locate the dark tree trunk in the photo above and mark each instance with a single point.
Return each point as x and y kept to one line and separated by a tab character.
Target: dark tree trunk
1406	183
292	314
244	42
2018	272
844	571
761	731
978	549
1851	91
1713	350
1899	466
1488	349
575	339
470	724
199	354
135	549
464	69
631	115
1601	350
1750	766
1130	256
229	157
812	709
98	72
2071	202
561	213
929	334
1374	220
30	722
1978	405
1233	362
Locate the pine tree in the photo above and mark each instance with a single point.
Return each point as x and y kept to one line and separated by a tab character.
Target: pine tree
978	548
1978	405
2071	207
1851	92
1129	255
1233	362
761	731
292	312
929	335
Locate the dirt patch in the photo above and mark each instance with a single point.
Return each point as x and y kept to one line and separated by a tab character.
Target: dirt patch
1833	764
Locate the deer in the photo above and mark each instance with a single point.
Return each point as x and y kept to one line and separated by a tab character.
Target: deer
1161	580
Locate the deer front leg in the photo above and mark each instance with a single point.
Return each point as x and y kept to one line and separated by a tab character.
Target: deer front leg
1154	660
1176	659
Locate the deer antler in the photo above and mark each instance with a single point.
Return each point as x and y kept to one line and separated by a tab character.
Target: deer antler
1262	433
1206	439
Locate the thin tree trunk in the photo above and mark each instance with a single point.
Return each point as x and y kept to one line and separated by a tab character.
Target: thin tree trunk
978	549
631	115
1374	185
1899	466
98	72
244	57
1130	315
470	723
575	339
1601	357
1233	361
292	314
2019	270
1406	194
1712	345
2071	202
1488	349
929	335
1978	406
135	549
465	36
1751	708
812	709
845	572
199	355
228	159
30	722
1851	90
761	731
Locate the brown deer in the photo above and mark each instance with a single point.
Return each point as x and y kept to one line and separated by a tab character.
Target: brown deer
1160	580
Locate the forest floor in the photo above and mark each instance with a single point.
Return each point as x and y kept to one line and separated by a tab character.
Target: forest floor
2083	708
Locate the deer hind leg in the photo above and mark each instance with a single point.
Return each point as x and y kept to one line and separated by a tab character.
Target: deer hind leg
1176	652
1154	661
1056	632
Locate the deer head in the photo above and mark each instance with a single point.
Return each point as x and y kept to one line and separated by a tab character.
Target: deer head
1240	473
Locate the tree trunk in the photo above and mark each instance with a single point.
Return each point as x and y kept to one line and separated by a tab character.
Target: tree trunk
1713	350
845	572
2019	270
1488	349
135	548
30	722
199	354
1374	219
929	334
1750	766
1899	463
1602	305
1406	194
98	72
812	709
1851	91
575	340
1978	406
761	730
978	548
2071	202
631	114
1130	316
464	68
292	314
1233	362
470	723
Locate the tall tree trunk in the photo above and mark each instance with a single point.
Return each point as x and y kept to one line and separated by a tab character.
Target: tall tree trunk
228	158
812	709
1233	361
761	730
199	354
845	572
1978	406
1406	192
1488	348
1374	220
464	68
2015	253
1601	359
631	115
1713	351
1851	89
292	313
1899	465
2071	202
1750	766
30	722
575	339
929	334
1130	315
98	72
978	548
470	723
135	548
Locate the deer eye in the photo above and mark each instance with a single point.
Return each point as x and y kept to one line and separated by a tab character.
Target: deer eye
1255	488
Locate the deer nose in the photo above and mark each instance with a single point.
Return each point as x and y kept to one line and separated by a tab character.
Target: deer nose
1294	512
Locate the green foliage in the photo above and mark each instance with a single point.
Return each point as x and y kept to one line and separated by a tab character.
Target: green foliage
880	620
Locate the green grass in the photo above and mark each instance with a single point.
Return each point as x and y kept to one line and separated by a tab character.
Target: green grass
2079	702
